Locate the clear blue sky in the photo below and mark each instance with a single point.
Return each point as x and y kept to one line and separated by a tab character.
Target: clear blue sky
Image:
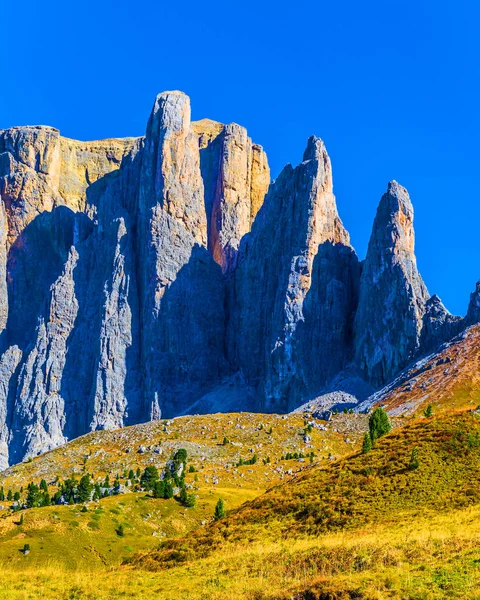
391	86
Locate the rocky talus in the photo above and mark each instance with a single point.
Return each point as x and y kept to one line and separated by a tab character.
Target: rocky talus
144	277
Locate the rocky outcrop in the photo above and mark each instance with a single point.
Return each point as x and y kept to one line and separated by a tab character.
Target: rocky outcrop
438	326
149	277
473	312
297	240
236	176
392	296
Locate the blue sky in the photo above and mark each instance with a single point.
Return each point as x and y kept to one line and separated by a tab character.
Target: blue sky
391	86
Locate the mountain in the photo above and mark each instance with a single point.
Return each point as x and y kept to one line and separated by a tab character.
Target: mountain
163	275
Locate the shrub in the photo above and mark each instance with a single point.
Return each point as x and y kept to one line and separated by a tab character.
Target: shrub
378	424
120	531
428	412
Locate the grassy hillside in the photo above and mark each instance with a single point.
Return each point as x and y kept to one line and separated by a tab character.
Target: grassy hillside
365	527
85	536
362	526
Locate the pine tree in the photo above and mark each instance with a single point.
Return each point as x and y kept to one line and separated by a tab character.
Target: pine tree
43	486
2	494
219	510
149	477
9	495
414	462
429	411
97	493
16	496
183	495
84	489
33	496
378	424
159	489
367	443
131	475
168	493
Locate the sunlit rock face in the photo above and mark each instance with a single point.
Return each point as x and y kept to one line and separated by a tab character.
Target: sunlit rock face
392	295
294	291
153	276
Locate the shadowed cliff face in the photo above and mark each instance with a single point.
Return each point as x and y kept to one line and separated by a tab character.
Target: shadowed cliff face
272	315
143	276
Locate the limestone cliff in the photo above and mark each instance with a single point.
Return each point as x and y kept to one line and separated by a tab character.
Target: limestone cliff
283	340
392	297
145	277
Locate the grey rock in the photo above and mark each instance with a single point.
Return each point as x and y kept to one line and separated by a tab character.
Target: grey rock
439	325
392	294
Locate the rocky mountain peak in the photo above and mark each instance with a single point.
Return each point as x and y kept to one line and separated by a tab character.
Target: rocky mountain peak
473	313
148	277
392	296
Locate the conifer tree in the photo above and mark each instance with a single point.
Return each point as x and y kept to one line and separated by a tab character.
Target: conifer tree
149	477
219	509
378	424
367	443
84	489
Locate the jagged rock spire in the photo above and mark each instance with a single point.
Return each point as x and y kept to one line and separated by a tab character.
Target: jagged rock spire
392	293
473	313
274	278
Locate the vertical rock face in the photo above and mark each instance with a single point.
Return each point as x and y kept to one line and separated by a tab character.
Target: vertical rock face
143	276
181	289
237	177
274	277
392	296
473	313
438	326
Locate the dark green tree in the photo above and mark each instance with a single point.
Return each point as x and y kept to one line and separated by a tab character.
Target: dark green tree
97	492
84	489
68	490
414	462
378	424
168	493
43	486
2	494
367	443
428	411
149	477
9	495
16	496
120	530
219	510
34	496
180	455
187	499
159	489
